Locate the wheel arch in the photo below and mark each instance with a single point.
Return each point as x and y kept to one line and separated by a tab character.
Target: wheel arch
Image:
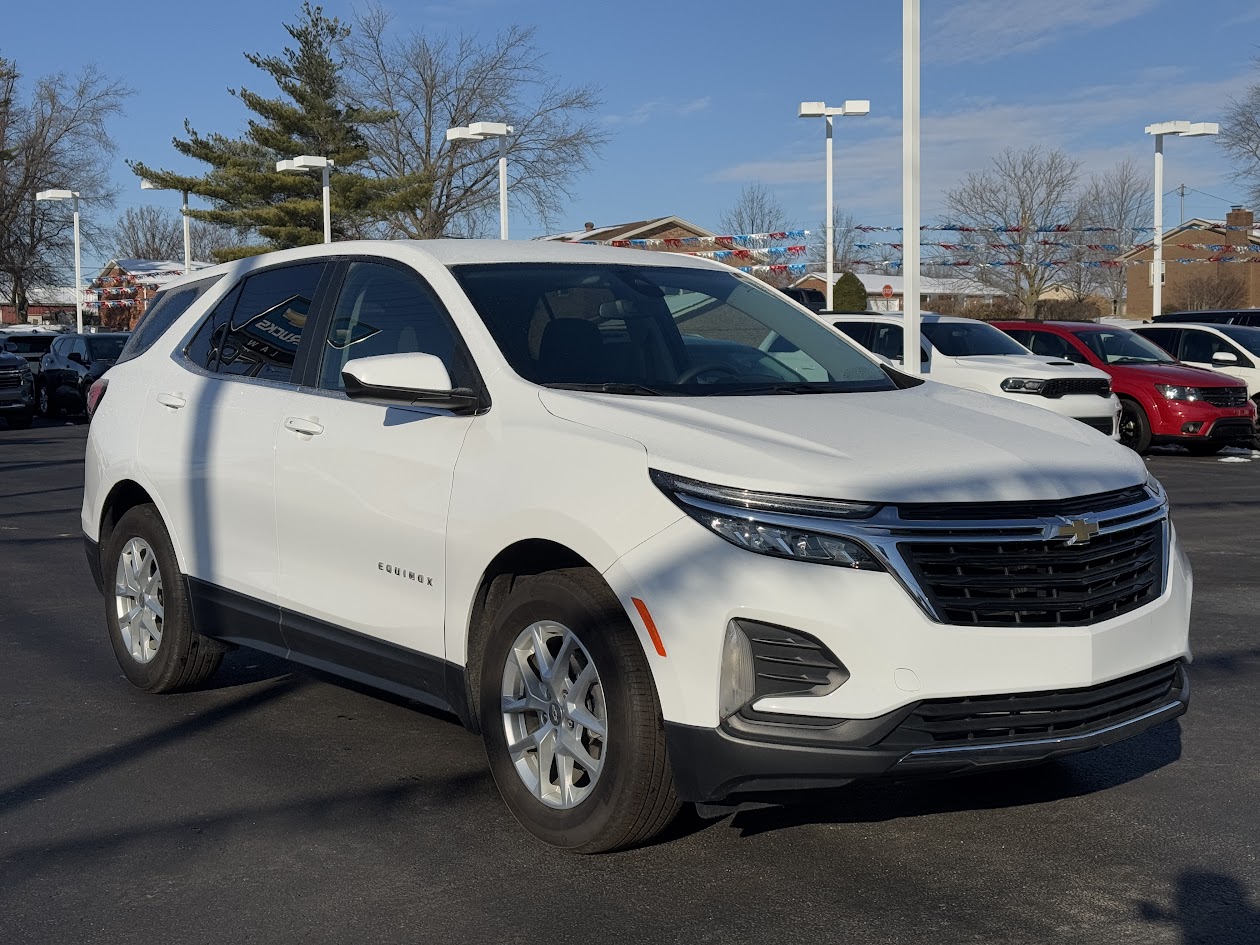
517	562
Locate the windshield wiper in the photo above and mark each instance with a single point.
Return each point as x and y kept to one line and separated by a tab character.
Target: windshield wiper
608	388
1127	360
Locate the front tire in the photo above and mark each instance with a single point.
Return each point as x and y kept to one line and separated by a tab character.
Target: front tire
147	609
1135	427
46	407
19	421
570	717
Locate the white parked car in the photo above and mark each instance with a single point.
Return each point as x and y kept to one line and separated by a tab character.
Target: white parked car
971	354
564	493
1230	349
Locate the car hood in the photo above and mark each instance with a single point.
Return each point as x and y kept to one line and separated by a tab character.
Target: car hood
1027	365
9	360
931	443
1181	374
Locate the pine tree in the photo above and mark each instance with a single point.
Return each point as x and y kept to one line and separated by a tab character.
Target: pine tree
849	295
285	209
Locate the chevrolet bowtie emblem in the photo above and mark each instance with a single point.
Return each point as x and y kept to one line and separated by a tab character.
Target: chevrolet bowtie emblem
1077	531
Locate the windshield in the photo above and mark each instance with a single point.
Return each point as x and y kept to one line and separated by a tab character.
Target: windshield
106	349
659	330
1121	346
970	339
1249	338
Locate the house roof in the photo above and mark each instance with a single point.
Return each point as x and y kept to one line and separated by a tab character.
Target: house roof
628	231
1197	225
874	283
155	272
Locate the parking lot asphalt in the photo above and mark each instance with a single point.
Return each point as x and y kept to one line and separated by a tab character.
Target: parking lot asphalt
279	806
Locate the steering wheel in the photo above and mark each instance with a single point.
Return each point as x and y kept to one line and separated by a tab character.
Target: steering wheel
692	373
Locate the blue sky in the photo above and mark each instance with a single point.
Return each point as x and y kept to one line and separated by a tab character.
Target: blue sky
701	98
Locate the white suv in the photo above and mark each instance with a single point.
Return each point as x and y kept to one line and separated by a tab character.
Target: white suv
564	493
975	355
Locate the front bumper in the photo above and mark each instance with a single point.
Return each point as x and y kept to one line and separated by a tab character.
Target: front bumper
714	764
1218	424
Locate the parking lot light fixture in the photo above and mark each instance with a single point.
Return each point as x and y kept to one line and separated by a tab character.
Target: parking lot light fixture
72	195
851	107
311	162
1179	129
482	131
146	184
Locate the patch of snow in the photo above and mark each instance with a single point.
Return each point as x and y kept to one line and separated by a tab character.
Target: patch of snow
1234	459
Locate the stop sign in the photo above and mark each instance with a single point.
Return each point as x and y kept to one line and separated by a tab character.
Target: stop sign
888	292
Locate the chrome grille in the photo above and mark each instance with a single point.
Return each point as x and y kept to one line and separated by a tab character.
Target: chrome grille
10	379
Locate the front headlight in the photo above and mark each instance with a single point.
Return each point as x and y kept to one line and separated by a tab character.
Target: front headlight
772	524
1177	392
1024	385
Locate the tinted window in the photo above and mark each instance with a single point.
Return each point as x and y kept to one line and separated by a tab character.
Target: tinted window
106	348
162	312
77	346
386	310
1053	346
256	329
676	330
1246	336
1022	335
969	339
1167	338
28	344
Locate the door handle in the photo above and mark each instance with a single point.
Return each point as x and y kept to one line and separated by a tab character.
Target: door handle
299	425
174	401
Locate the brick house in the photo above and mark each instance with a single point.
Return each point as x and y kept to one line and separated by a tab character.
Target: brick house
1238	230
123	289
44	306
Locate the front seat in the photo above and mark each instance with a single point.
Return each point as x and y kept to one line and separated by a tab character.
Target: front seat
571	351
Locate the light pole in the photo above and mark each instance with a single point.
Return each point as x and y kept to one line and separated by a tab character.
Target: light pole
911	188
1181	129
481	131
146	184
78	271
309	162
820	110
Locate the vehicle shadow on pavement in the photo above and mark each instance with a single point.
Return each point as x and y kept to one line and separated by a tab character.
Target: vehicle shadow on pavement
113	756
1210	909
882	800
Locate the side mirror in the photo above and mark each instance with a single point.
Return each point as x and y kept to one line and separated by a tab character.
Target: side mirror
77	358
1224	357
413	378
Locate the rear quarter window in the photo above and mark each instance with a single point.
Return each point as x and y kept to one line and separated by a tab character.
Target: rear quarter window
162	313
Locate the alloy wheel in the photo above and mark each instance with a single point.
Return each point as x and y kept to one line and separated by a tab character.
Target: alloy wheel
138	600
554	714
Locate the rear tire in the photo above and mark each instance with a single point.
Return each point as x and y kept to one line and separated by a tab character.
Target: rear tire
1134	427
47	408
605	782
147	609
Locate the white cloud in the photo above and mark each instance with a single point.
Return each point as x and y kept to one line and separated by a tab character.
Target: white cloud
987	29
1098	125
650	110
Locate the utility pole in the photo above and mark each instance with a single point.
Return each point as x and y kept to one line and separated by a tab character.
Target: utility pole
1182	191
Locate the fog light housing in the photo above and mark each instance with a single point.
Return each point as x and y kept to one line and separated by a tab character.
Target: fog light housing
1193	426
738	681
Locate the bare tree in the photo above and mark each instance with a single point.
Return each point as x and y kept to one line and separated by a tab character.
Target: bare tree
1119	199
151	232
1206	291
756	210
1029	189
56	139
843	239
1240	138
431	83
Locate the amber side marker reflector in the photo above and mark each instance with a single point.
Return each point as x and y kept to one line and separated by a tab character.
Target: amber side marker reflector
650	624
